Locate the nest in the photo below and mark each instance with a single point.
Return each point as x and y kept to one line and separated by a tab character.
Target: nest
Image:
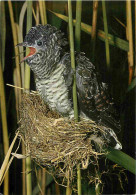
57	142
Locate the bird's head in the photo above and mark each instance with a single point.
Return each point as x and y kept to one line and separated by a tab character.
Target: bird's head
45	44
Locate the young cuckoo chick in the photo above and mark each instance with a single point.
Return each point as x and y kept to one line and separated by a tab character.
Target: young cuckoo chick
54	79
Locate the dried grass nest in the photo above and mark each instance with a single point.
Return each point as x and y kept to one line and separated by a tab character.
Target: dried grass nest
55	141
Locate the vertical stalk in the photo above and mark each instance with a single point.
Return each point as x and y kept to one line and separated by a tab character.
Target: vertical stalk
77	46
130	39
94	25
68	190
43	180
29	25
78	24
2	33
27	86
4	126
43	15
106	34
72	53
17	75
20	39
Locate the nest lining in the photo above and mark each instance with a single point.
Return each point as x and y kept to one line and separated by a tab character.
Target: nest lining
55	141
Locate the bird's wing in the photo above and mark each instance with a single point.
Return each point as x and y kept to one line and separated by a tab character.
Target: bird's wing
93	97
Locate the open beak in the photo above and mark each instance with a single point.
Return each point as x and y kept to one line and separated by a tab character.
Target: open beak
31	52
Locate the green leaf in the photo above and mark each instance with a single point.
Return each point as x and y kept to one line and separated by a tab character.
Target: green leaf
113	40
122	159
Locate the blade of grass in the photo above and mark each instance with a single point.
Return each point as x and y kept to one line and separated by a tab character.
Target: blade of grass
106	35
122	159
27	86
129	34
113	40
77	46
94	24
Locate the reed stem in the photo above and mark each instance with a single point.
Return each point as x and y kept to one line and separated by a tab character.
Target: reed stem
43	15
78	24
113	40
4	126
2	90
106	34
129	34
27	86
17	75
72	53
94	25
77	46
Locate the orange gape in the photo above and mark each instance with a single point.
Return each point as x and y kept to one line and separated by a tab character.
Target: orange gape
32	51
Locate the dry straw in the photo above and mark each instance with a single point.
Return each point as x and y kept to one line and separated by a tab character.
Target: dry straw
57	142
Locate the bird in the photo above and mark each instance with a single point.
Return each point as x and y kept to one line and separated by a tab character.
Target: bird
51	63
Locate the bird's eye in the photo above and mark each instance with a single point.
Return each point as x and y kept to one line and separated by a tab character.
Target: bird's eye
39	43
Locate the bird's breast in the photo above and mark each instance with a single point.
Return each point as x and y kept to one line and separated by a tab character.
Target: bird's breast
55	92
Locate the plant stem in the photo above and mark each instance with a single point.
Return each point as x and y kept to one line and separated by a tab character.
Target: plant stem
77	46
27	86
78	25
94	24
79	189
68	189
4	125
29	25
113	40
129	35
2	32
42	7
2	91
17	75
106	34
72	52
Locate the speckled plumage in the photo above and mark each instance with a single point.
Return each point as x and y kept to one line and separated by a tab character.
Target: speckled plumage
54	78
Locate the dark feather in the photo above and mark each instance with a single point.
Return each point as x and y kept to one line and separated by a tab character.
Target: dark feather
93	95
